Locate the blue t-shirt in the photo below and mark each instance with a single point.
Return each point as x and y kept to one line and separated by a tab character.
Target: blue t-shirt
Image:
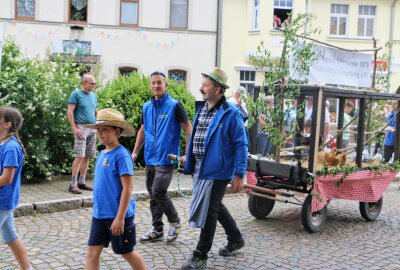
11	156
110	167
86	104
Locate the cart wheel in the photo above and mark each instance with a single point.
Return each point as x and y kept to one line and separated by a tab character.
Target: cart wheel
312	222
371	210
260	207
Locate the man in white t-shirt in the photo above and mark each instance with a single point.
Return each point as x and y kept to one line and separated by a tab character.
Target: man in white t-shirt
308	114
237	99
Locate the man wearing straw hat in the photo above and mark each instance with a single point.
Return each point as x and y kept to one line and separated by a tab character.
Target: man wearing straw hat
217	156
162	120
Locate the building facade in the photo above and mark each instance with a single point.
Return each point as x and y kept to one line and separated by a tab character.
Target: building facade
346	24
178	37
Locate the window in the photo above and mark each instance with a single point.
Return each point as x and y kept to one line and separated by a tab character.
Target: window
366	21
25	9
282	10
129	12
256	16
179	14
247	80
78	10
339	15
177	75
127	71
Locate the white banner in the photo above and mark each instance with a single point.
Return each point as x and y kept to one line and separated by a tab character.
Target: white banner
1	39
334	66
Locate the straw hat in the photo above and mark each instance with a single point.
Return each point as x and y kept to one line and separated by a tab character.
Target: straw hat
111	117
218	75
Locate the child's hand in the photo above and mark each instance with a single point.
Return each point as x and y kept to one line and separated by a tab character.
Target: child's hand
117	227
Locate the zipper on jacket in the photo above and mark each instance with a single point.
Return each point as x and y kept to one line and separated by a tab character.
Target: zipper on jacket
155	133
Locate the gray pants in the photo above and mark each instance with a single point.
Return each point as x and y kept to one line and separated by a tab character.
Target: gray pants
158	179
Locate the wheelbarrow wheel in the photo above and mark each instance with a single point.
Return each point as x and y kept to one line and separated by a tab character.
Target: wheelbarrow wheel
260	207
371	210
312	222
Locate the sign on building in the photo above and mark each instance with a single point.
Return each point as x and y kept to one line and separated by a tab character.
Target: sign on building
334	66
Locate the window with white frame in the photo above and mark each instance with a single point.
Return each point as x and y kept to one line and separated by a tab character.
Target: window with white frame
127	71
366	21
282	10
78	10
339	16
177	75
129	12
255	26
247	79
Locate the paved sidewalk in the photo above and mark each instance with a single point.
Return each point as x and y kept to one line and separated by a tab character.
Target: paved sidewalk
52	196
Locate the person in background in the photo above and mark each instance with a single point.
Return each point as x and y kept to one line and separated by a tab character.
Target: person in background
82	109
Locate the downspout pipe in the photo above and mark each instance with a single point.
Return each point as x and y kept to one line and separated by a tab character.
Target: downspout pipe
218	34
389	68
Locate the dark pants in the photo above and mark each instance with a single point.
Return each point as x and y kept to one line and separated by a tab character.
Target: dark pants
388	152
158	179
217	211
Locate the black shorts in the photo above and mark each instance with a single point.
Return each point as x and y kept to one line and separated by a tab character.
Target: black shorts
100	234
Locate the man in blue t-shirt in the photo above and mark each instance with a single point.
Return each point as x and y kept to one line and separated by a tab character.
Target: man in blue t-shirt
82	109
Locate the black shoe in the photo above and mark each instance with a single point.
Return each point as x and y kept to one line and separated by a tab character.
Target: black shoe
230	248
196	261
152	235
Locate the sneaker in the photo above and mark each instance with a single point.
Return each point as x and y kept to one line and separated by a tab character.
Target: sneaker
230	248
85	187
74	189
174	231
152	235
196	261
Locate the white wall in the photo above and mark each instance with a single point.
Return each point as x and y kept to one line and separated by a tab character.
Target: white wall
7	8
154	13
203	15
56	7
105	12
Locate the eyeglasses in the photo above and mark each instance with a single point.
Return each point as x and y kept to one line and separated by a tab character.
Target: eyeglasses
157	73
91	83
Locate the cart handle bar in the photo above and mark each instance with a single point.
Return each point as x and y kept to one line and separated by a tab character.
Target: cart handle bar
272	198
269	191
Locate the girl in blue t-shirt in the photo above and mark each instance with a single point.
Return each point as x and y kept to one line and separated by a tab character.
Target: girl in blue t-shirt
11	161
113	204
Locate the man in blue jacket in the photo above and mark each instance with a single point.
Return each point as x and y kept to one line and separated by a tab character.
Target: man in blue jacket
217	156
162	120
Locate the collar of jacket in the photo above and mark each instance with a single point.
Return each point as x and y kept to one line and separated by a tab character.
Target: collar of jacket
161	100
220	102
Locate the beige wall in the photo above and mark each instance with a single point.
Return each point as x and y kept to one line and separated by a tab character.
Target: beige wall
239	41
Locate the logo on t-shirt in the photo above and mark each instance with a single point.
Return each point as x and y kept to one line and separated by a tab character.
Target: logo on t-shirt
163	116
105	162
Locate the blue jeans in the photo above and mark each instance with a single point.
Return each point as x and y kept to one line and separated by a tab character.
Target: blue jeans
7	228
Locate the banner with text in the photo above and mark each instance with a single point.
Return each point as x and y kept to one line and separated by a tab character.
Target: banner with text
334	66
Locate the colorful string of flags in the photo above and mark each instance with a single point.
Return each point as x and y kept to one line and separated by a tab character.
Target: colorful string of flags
106	34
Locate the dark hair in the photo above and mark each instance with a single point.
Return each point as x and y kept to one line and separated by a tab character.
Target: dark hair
216	84
154	73
13	116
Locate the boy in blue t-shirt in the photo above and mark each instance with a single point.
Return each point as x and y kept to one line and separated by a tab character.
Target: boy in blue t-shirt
11	161
113	204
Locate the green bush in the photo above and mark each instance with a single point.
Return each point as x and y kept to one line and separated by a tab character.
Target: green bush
128	94
39	89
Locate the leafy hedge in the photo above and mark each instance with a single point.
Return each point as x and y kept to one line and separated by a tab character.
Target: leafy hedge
39	89
128	94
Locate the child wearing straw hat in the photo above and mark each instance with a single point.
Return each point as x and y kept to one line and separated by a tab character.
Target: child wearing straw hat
113	204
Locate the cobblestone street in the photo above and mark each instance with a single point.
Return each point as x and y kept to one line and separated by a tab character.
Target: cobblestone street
58	240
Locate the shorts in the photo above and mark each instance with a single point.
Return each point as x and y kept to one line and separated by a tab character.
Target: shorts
85	147
100	235
7	228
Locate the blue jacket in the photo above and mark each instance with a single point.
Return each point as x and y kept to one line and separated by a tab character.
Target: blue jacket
162	130
390	136
225	145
